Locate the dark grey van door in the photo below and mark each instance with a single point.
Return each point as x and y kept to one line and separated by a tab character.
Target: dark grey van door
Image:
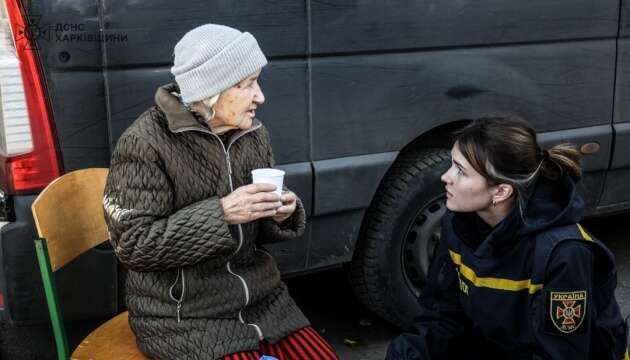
616	195
390	78
387	72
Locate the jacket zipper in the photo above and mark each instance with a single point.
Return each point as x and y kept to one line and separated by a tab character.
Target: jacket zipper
240	229
181	297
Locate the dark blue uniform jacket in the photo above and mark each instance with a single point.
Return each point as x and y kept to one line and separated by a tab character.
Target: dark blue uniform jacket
537	286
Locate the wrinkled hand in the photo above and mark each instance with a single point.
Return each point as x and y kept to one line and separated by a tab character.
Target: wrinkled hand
289	203
250	202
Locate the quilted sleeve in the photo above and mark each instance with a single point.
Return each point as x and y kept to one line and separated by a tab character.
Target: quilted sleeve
291	228
148	234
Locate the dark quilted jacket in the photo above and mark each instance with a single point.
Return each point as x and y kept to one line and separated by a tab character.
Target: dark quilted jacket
197	288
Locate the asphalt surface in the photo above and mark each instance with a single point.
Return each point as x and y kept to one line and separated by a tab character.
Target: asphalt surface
352	330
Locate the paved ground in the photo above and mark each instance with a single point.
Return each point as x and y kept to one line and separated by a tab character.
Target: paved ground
333	310
358	335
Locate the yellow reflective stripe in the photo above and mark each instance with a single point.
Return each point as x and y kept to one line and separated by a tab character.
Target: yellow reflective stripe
585	235
457	259
626	356
493	283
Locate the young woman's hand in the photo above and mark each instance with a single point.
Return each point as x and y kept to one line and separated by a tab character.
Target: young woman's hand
251	202
289	202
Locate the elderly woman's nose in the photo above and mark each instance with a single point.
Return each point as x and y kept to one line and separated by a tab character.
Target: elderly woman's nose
259	97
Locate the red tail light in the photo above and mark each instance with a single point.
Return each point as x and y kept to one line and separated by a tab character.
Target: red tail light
26	168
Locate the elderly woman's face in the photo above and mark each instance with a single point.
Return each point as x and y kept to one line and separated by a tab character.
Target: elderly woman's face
237	105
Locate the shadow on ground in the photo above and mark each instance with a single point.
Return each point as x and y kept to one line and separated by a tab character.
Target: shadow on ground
330	305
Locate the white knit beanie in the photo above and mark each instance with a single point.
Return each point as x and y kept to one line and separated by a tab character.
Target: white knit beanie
212	58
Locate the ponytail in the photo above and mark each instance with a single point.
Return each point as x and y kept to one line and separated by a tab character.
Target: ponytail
562	158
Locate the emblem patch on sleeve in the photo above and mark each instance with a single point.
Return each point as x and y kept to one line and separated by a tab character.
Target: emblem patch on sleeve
567	310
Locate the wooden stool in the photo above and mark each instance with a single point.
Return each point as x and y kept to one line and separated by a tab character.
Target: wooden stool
112	340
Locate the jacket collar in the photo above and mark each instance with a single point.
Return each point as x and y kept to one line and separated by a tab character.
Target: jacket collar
484	240
548	204
180	119
177	115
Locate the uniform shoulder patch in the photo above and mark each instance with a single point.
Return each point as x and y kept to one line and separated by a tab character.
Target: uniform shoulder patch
567	311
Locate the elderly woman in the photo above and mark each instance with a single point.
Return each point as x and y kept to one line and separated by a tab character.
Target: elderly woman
188	226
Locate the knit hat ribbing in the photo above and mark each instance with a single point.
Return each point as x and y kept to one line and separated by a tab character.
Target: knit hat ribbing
212	58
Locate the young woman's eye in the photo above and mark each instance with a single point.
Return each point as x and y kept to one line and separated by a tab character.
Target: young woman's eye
460	172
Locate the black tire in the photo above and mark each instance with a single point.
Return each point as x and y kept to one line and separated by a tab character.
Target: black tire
399	235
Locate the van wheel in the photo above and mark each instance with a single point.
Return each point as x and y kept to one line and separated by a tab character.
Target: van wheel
400	233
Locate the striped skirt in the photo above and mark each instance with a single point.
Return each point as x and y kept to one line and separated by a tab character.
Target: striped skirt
304	344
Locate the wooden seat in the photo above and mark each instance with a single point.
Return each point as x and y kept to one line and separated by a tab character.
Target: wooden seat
112	340
69	218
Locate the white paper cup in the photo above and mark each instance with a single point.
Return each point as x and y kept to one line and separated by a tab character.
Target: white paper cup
269	176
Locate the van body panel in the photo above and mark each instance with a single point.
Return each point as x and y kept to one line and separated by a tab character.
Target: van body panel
390	99
340	26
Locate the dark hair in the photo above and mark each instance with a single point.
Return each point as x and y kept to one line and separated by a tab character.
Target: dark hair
505	150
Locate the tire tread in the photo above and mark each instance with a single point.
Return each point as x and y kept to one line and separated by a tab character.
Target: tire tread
363	270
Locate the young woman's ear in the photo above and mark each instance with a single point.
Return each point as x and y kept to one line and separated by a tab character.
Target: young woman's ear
502	192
